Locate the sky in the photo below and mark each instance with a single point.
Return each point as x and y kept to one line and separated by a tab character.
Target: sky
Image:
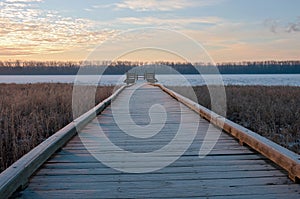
227	30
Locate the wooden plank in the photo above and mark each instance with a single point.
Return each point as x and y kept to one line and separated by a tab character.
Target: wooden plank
62	181
163	189
205	164
228	171
180	184
97	194
193	151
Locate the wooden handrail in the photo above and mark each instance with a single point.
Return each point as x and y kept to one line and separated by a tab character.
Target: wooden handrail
281	156
16	176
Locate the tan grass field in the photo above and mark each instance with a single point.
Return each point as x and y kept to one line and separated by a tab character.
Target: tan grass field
29	113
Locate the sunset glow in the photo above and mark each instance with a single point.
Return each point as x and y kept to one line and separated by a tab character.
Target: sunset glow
230	30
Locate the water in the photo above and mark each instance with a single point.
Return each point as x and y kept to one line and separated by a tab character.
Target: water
174	80
266	80
24	79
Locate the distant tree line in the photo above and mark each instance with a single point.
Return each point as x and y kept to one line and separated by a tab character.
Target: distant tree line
260	67
121	67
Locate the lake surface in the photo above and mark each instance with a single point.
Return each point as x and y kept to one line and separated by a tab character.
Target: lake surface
173	80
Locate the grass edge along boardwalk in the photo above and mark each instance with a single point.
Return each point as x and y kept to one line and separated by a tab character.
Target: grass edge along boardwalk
229	171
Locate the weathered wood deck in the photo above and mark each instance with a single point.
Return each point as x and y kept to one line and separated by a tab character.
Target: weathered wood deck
229	171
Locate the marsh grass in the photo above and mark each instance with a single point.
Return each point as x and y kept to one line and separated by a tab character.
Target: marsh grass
29	113
271	111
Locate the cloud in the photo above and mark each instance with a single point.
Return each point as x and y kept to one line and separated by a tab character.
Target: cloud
103	6
25	29
235	41
162	5
294	26
168	22
9	51
272	24
277	26
22	1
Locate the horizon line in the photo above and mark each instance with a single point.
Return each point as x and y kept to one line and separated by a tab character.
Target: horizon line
105	62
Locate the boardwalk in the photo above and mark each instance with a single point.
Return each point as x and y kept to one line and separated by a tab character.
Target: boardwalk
229	171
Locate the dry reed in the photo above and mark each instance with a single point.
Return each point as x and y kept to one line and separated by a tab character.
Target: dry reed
29	113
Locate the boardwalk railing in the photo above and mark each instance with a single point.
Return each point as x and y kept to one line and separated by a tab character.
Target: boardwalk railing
281	156
16	176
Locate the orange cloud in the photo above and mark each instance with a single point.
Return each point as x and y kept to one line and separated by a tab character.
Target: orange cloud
26	30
